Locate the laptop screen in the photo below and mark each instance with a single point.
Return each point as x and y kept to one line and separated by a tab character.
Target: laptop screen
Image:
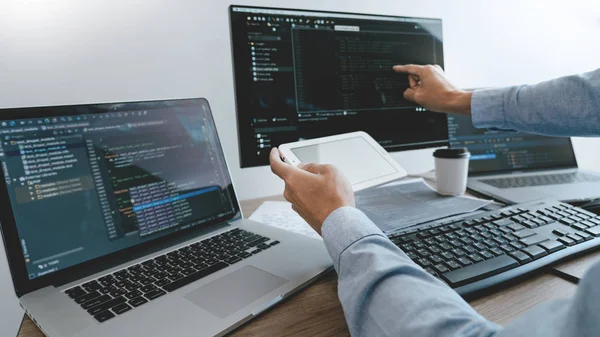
95	179
493	151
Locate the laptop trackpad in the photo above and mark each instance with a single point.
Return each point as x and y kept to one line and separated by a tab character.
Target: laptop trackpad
232	292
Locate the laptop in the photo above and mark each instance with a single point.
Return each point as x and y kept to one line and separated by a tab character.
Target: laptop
518	167
121	219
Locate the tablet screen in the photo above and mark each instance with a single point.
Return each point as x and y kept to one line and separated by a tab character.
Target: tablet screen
355	157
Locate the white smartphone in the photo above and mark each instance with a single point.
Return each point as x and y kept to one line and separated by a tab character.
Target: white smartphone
356	154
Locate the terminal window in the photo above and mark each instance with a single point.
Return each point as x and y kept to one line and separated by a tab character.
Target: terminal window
301	75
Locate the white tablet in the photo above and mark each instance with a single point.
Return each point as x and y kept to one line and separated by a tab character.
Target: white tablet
356	154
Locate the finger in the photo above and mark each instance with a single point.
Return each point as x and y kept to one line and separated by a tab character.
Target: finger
413	80
412	69
281	169
310	167
438	67
409	94
294	208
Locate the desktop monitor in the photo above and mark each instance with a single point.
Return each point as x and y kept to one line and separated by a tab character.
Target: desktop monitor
502	151
303	74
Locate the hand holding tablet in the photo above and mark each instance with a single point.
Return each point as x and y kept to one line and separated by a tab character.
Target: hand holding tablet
357	155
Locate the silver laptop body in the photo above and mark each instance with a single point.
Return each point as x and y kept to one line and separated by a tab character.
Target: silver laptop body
185	289
587	188
516	167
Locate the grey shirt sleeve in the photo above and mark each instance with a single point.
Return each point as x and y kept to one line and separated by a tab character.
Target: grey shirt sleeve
566	106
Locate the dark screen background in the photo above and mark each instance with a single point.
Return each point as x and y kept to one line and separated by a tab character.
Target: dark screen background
299	77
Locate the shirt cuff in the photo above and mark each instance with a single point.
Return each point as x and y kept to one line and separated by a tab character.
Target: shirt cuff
487	109
343	227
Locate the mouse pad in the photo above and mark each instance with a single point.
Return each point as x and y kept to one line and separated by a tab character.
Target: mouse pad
232	292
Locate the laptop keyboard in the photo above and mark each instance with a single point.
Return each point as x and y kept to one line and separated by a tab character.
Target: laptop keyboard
541	180
126	289
478	247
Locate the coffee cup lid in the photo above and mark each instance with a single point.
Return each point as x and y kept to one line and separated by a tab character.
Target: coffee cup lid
459	152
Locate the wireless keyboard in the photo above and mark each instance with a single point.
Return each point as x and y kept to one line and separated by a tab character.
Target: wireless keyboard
478	251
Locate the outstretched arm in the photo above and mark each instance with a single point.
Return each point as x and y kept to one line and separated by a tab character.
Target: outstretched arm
566	106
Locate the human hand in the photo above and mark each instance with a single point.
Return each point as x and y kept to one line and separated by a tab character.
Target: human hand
430	89
315	191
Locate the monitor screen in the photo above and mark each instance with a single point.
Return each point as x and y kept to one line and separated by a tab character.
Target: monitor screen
497	151
103	178
307	74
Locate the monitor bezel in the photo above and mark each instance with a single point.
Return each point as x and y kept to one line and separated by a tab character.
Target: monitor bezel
23	285
237	85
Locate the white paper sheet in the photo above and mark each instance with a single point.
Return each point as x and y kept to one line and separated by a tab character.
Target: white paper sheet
281	215
407	203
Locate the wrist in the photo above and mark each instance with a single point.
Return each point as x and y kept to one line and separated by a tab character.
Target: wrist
460	102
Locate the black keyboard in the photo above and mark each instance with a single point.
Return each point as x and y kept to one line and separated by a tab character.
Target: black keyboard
479	251
541	180
123	290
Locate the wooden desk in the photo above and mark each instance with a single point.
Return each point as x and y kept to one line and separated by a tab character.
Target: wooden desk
316	311
577	266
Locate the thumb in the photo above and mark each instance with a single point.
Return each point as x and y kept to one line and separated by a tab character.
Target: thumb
409	94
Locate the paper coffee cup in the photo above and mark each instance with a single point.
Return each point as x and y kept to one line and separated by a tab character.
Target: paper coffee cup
451	170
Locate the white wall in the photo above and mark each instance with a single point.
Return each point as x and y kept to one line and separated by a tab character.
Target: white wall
64	52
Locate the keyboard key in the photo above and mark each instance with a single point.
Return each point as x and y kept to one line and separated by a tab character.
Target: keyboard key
440	268
487	255
423	262
532	240
567	221
584	235
576	238
194	277
136	302
530	224
464	261
535	252
458	252
121	309
274	243
435	259
447	256
480	270
559	232
579	226
552	246
453	265
521	257
87	297
566	241
503	222
106	305
154	294
516	227
133	294
470	249
75	292
595	231
91	286
507	248
475	258
524	233
104	316
96	301
496	251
